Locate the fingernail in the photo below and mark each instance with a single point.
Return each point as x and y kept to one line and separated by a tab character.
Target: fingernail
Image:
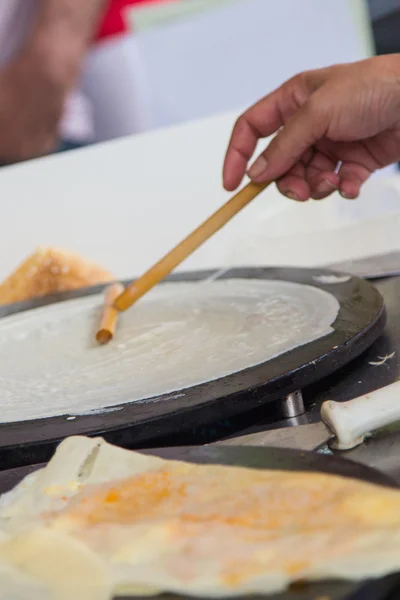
291	195
325	187
347	196
258	168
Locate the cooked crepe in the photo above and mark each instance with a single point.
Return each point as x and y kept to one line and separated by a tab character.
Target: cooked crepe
99	521
178	336
50	270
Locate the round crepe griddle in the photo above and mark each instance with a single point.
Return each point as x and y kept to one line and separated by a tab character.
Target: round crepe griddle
270	458
360	321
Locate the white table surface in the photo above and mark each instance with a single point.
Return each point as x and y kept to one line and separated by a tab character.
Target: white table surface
124	203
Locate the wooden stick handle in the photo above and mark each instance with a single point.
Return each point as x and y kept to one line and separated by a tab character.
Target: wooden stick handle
109	317
171	260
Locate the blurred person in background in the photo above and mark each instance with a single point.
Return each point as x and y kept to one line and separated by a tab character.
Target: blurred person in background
42	46
44	49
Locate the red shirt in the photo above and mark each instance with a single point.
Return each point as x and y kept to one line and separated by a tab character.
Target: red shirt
114	21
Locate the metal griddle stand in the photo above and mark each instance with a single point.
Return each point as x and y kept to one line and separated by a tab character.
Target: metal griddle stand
293	405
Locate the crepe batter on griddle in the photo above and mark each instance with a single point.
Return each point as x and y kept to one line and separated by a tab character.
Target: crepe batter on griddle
177	336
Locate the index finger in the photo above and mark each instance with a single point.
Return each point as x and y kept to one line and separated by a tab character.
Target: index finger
265	118
259	121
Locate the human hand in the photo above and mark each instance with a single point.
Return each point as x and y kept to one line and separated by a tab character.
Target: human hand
346	115
31	105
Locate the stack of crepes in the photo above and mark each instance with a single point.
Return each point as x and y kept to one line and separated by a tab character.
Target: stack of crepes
99	521
48	271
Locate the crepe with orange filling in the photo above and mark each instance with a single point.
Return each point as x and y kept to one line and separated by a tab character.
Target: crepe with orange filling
127	523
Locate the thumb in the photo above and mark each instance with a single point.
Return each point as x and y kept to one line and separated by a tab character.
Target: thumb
298	135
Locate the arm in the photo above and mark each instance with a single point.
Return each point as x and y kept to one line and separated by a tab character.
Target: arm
61	34
34	86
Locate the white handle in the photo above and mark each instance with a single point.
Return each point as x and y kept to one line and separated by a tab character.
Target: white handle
352	421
